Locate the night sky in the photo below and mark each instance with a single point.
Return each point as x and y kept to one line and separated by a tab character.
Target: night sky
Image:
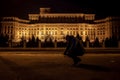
21	8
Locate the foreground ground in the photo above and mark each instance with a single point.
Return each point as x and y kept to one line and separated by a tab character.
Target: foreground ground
44	66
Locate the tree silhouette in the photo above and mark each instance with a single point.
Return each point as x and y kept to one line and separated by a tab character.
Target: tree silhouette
78	36
107	42
32	42
114	41
37	42
4	40
96	42
87	40
48	41
22	41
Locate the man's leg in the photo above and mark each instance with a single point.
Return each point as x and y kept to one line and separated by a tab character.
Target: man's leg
76	59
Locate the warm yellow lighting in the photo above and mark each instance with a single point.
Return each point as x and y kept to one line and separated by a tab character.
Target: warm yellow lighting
61	27
51	32
83	32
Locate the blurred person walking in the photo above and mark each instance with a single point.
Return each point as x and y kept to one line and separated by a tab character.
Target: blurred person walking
74	49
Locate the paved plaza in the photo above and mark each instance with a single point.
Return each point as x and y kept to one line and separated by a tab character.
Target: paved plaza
49	66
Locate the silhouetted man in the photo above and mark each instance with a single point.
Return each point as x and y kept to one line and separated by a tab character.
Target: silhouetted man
74	49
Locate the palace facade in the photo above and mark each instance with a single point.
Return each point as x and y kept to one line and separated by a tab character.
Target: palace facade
58	25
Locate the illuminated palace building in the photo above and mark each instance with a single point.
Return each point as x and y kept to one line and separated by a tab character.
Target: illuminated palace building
58	25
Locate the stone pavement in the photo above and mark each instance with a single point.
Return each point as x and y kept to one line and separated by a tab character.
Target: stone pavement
87	50
27	66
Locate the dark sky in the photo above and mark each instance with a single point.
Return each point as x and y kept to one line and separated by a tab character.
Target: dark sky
21	8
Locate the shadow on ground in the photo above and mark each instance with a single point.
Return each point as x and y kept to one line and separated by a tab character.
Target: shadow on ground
93	67
22	72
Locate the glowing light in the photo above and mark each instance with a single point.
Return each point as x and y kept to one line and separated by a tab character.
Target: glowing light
83	32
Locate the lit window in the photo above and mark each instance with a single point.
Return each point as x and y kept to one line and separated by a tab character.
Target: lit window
81	32
61	32
55	32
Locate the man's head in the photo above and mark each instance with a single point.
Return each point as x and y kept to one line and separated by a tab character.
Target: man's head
69	38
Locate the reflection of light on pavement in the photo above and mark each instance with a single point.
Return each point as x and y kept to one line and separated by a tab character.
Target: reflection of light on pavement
41	53
112	61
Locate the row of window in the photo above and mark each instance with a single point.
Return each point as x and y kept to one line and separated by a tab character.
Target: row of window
70	28
62	33
60	28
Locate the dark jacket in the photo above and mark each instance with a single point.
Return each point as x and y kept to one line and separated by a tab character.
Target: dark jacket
74	47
